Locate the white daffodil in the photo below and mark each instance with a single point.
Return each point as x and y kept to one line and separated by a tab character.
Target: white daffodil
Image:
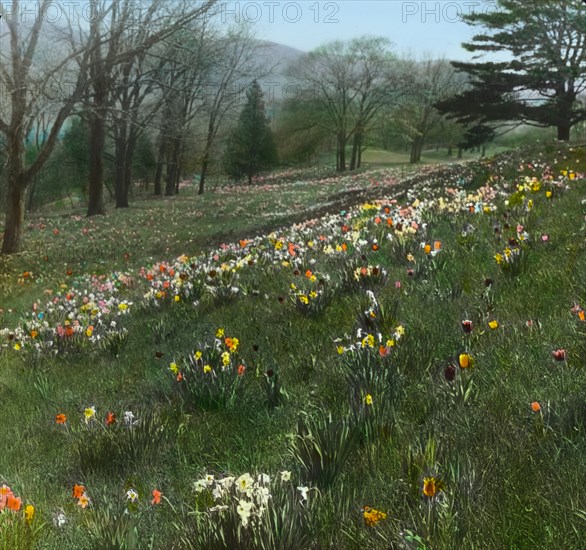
244	483
244	510
303	491
60	520
129	419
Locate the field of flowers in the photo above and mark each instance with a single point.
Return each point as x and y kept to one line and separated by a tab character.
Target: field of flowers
407	372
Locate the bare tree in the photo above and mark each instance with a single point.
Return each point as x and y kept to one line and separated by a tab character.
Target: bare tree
24	84
180	81
156	21
344	86
423	84
374	91
236	62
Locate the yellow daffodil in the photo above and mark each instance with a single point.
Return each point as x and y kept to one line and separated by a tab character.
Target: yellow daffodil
372	516
493	324
368	340
29	513
89	413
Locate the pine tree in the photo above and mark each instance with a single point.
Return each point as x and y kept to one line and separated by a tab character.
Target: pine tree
547	71
251	147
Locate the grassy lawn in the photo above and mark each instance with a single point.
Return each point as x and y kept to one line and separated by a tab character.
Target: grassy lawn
408	373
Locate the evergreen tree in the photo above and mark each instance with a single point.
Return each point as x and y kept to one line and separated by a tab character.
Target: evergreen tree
547	71
251	147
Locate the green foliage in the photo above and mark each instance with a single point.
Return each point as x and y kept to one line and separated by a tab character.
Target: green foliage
16	533
525	31
111	529
144	161
374	387
322	445
274	392
75	144
213	376
128	443
251	147
266	514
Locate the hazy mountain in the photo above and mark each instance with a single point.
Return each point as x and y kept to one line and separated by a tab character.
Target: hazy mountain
279	54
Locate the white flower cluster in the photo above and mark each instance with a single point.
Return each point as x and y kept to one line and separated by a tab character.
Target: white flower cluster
246	496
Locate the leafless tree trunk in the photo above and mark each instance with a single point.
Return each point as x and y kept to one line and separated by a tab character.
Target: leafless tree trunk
18	78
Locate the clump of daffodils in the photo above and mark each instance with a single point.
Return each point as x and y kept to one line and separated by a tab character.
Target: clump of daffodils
243	501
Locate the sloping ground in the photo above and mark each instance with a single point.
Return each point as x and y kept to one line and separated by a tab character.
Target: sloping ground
404	373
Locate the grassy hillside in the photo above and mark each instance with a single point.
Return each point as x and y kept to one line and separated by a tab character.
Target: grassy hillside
408	372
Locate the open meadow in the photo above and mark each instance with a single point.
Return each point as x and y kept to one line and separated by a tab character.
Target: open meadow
377	360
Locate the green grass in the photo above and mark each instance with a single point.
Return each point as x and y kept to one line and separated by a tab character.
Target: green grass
512	477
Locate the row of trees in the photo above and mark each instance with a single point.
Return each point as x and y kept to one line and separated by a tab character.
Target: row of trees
129	89
122	73
358	91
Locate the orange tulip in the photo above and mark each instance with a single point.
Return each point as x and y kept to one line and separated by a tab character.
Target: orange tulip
156	497
13	503
60	418
535	406
78	491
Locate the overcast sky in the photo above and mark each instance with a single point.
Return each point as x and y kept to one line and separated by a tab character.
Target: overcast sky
415	27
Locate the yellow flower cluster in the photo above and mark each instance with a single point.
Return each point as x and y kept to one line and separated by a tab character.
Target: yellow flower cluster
372	516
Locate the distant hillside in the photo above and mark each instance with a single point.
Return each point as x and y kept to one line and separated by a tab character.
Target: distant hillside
280	54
